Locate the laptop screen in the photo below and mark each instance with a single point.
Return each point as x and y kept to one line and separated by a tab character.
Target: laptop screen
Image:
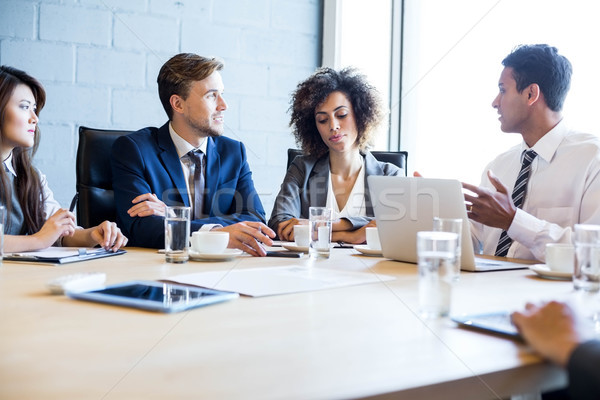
404	206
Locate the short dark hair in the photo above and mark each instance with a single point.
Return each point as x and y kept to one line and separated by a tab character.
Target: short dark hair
177	75
541	64
309	94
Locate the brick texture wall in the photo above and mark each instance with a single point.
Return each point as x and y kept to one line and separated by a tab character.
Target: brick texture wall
98	60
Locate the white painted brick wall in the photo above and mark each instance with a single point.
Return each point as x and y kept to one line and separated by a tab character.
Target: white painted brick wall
242	13
99	59
246	78
48	62
18	18
227	44
111	67
74	24
116	5
199	9
146	33
76	104
131	106
253	118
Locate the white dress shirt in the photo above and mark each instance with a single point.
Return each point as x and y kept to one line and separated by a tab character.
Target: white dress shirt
563	190
183	147
355	205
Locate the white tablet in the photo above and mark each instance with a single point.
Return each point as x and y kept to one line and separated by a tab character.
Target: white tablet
154	296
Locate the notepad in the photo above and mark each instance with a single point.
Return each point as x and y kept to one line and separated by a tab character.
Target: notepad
270	281
61	255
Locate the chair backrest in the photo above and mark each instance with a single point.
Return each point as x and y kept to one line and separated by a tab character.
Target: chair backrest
398	158
292	153
96	201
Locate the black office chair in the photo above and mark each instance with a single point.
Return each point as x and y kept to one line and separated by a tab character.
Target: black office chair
398	158
96	201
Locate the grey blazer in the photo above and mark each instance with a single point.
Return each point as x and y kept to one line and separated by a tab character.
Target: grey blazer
306	183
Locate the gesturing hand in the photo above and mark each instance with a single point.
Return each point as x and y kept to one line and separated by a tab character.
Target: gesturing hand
495	209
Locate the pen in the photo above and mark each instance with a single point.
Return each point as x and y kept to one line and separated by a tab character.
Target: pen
73	202
260	243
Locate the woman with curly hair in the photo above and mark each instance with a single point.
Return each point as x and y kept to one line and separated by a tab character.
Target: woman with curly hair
34	219
334	115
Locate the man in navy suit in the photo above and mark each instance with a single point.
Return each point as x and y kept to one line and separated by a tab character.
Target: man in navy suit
155	167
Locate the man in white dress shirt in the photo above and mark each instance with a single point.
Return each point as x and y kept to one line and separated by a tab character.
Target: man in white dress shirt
561	182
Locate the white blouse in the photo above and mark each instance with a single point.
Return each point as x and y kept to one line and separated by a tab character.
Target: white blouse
355	206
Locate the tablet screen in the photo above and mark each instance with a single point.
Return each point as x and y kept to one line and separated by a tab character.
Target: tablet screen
155	296
496	322
164	293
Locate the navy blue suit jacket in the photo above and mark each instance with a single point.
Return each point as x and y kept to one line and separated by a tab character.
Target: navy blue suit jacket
584	374
146	161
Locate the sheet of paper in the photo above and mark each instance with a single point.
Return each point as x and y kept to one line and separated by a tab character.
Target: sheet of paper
258	282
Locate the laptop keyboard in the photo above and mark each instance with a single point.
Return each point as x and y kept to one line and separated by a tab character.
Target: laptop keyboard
484	264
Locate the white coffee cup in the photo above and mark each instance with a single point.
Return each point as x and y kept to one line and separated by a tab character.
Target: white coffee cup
560	257
301	235
373	238
210	242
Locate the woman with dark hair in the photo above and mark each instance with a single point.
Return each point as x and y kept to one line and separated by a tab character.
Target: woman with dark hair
334	115
34	219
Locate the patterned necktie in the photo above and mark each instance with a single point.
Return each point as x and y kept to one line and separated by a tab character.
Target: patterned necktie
518	195
197	157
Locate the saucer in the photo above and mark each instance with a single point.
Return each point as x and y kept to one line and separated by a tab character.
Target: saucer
364	249
228	254
291	246
545	272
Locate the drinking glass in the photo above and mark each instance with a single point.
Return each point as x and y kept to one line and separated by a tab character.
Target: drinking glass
177	234
587	256
451	225
436	254
320	232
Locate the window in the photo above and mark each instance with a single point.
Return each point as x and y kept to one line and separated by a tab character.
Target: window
360	35
452	53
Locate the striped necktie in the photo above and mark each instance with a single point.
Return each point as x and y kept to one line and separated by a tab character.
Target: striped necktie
518	195
197	157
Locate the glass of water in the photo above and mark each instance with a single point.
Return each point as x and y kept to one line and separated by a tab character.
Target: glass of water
587	256
451	225
436	253
320	232
177	234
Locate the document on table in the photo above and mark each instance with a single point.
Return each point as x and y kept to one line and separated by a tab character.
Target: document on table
61	255
256	282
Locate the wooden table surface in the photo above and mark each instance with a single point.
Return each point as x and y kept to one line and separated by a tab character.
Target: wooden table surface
357	341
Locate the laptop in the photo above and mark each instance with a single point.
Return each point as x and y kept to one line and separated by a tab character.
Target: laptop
404	206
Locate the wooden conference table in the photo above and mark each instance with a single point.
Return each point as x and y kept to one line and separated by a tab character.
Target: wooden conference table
351	342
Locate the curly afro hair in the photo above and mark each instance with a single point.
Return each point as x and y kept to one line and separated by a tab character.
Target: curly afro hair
309	94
